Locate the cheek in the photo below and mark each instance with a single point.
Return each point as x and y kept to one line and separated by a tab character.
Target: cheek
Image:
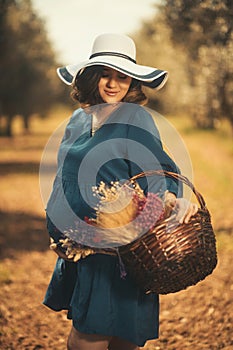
102	82
100	88
128	83
125	86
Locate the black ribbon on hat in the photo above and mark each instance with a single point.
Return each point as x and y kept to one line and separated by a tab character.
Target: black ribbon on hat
117	54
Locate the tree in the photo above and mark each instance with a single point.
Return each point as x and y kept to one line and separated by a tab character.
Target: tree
204	30
193	40
156	49
27	65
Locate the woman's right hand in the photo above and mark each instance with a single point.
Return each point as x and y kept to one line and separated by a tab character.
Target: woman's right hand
53	246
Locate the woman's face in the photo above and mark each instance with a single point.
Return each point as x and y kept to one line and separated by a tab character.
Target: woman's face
113	85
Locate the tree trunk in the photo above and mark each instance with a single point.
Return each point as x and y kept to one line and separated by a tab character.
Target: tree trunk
9	122
26	123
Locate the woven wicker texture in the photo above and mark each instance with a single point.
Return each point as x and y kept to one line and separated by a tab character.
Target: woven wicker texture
172	256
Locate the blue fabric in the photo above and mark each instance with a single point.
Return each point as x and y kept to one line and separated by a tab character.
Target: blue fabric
101	302
98	300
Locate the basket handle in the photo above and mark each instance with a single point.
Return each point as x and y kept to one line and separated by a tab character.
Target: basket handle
176	176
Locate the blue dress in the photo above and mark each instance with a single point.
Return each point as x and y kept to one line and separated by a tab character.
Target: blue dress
98	299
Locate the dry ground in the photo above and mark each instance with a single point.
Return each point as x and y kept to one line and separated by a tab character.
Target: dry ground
199	318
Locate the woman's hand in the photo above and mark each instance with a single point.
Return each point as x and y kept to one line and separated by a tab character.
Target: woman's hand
53	246
185	209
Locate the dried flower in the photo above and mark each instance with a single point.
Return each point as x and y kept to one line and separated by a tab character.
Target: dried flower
123	214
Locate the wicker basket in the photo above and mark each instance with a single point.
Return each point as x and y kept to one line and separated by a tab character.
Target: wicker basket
172	256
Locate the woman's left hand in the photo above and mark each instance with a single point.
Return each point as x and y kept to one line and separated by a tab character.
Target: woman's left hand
185	209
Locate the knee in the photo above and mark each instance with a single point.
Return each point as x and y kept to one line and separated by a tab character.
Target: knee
120	344
71	343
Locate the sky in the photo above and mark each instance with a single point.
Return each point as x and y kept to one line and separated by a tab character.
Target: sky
72	25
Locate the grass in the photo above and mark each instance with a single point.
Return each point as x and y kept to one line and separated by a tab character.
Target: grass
20	161
5	275
224	241
211	154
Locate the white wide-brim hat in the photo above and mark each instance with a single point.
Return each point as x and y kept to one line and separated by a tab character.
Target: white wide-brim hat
116	51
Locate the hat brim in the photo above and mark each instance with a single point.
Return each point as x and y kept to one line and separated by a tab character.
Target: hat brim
149	76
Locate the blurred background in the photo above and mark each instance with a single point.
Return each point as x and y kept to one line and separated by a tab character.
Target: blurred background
190	39
193	40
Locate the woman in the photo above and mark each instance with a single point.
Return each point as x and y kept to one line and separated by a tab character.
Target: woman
110	137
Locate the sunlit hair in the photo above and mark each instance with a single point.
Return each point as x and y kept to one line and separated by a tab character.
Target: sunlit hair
86	92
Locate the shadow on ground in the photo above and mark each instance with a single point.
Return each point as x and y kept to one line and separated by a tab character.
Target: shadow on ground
9	168
22	232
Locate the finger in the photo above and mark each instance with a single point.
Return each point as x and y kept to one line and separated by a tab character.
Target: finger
167	212
169	207
191	212
62	254
169	199
182	211
181	218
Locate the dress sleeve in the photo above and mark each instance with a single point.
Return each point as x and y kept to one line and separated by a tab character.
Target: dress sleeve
145	152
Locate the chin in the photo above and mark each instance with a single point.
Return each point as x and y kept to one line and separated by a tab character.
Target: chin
111	100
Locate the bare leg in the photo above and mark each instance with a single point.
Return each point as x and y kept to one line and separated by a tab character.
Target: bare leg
81	341
121	344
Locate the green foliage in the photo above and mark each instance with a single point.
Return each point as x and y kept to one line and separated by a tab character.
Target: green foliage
27	63
199	22
196	39
155	48
5	276
204	28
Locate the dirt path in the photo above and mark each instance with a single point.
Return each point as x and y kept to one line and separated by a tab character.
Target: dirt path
198	318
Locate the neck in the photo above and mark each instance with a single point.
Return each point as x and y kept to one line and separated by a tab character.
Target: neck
101	113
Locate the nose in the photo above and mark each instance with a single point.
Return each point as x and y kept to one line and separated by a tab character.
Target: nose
111	82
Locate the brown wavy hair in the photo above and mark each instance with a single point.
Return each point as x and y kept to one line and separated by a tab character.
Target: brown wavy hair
86	92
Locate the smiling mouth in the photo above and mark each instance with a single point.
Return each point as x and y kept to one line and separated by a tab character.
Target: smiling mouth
111	93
